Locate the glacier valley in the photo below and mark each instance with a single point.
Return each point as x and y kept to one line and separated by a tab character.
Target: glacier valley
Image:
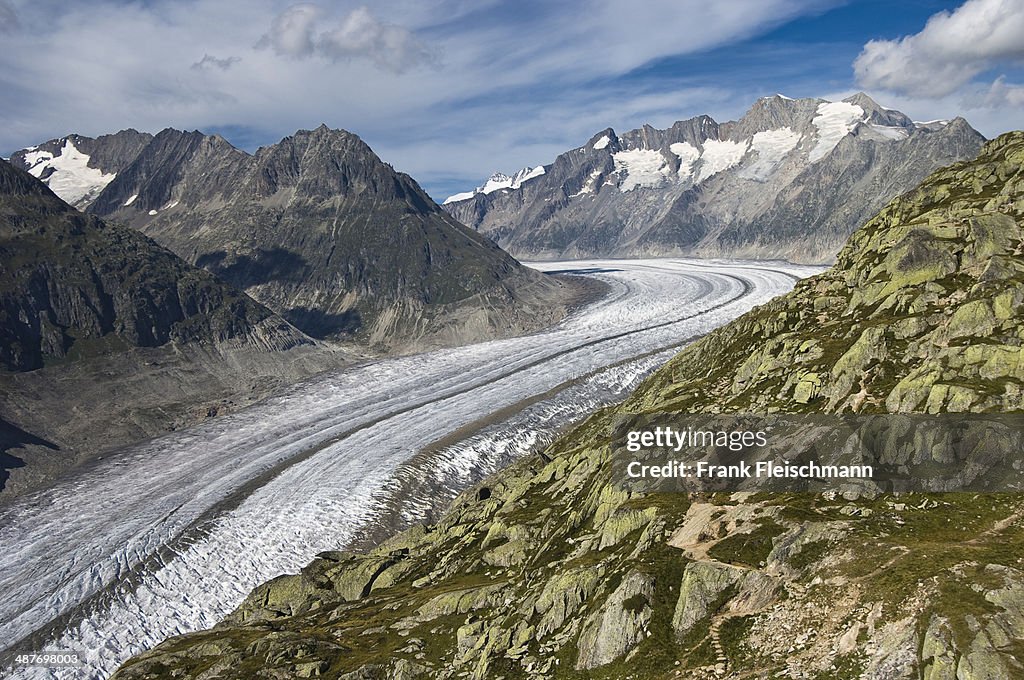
169	536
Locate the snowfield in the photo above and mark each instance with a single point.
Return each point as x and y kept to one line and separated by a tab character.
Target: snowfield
70	176
688	155
643	168
719	155
772	146
834	121
171	535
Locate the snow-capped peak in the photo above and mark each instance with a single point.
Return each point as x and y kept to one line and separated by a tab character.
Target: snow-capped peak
499	181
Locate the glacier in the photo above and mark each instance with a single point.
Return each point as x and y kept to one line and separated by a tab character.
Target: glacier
169	536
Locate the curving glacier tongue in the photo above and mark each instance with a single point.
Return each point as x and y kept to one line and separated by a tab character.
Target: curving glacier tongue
170	536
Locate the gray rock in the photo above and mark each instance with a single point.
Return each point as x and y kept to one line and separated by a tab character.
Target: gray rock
619	625
703	587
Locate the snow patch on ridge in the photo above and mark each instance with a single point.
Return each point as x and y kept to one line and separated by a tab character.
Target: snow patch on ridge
589	186
688	155
455	198
834	121
643	168
131	200
771	147
719	155
71	177
602	143
498	181
892	132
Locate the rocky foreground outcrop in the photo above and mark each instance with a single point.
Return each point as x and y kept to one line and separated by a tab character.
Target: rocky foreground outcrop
549	570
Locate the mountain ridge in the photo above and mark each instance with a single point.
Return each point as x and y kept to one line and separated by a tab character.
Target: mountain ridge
321	230
706	188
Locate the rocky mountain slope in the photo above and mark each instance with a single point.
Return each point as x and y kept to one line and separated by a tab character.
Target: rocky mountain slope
79	295
548	570
791	179
324	233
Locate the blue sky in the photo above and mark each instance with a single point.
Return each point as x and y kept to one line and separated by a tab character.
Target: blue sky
452	90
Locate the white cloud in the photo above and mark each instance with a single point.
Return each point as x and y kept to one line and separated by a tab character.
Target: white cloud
1001	94
388	46
297	32
292	32
949	52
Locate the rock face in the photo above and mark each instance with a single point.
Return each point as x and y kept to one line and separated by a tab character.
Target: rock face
791	179
324	233
71	284
619	625
921	312
107	337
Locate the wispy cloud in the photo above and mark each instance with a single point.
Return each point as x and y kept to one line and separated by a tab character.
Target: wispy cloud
8	17
1001	94
210	61
293	32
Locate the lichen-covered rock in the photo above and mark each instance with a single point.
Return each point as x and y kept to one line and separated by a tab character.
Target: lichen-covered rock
563	596
619	625
938	655
701	592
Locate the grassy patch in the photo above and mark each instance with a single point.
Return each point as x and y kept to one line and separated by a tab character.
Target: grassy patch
750	549
733	635
809	554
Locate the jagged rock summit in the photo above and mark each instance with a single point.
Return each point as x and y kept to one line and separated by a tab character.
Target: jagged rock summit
77	168
317	228
791	179
499	180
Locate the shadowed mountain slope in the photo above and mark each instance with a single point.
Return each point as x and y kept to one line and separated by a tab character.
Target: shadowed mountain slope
107	337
